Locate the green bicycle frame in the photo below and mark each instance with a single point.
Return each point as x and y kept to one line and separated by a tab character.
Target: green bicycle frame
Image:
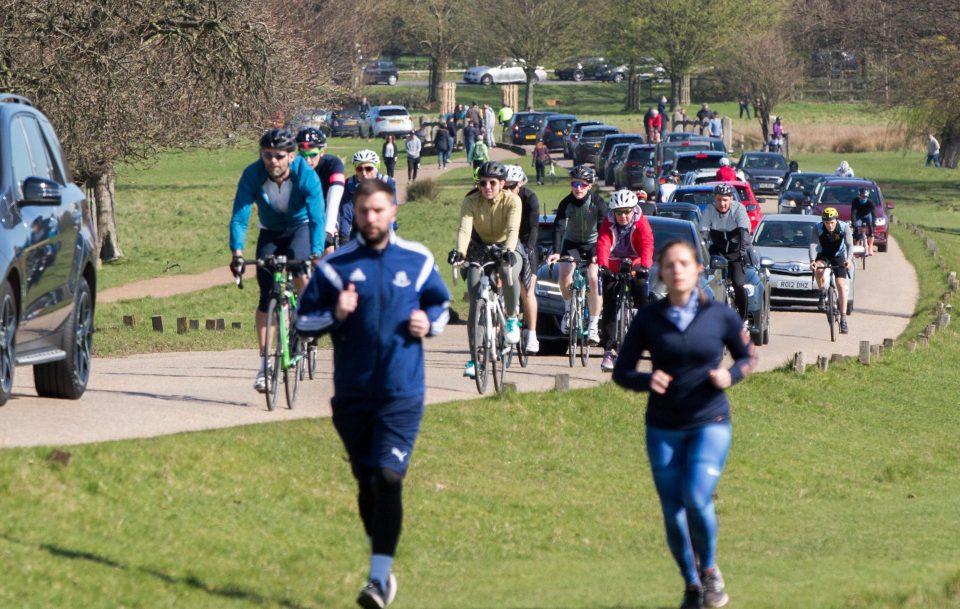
286	298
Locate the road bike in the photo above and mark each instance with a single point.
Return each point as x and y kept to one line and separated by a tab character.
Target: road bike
860	237
625	299
831	299
578	320
490	351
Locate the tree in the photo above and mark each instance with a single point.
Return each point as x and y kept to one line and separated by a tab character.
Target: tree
536	31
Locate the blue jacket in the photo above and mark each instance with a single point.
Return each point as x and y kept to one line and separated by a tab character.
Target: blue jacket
373	353
345	216
691	399
306	204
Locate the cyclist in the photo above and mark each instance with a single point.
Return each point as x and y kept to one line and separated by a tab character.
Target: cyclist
516	181
312	145
366	166
726	173
861	214
491	216
669	186
834	248
844	170
728	228
646	206
625	241
290	209
578	218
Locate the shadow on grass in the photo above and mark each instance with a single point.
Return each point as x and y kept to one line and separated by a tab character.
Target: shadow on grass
231	592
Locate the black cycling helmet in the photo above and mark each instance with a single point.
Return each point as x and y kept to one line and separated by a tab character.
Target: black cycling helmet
492	169
723	190
311	137
278	139
583	172
794	166
864	193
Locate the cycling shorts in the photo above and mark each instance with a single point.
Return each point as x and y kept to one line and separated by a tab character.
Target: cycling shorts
866	223
530	265
582	251
292	242
837	262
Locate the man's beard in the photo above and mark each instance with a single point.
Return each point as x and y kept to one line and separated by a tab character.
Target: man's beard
374	236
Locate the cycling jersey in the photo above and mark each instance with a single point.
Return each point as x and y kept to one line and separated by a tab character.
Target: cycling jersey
861	209
330	170
578	220
345	226
634	241
496	221
529	222
729	232
836	244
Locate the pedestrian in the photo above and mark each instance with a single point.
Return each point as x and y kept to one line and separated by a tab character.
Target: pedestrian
469	137
378	296
460	113
745	106
679	119
389	154
654	125
716	125
541	158
703	117
662	108
489	120
452	130
933	151
413	145
475	115
687	419
441	143
777	137
364	108
481	154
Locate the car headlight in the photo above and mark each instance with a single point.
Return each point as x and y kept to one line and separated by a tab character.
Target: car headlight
880	222
749	289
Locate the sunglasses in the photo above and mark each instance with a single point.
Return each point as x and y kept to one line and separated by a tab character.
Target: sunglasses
488	183
276	156
309	153
623	212
366	169
579	184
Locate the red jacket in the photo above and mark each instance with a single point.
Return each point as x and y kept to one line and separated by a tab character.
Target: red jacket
655	123
727	174
641	238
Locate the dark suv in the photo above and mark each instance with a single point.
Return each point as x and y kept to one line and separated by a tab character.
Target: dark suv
380	70
47	254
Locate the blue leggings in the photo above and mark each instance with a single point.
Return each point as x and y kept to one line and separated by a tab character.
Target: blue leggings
686	467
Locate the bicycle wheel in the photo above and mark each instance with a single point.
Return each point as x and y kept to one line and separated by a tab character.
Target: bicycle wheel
584	334
833	317
522	356
498	359
480	353
293	375
624	318
573	329
272	354
311	365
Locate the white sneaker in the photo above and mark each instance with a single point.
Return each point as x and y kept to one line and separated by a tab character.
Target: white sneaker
470	370
513	331
565	323
372	597
260	384
593	335
533	345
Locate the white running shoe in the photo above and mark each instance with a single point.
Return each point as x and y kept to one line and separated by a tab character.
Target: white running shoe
513	331
470	370
260	383
533	345
565	323
593	336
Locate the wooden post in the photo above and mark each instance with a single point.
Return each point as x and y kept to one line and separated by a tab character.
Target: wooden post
181	325
864	352
128	320
876	351
836	358
157	323
922	341
237	325
221	324
509	388
943	320
911	345
211	324
561	382
448	97
931	329
952	281
799	362
823	362
194	324
888	343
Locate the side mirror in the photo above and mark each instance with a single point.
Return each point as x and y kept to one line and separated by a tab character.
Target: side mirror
40	191
766	262
718	263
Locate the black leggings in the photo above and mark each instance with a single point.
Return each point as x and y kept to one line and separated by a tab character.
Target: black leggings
738	277
413	165
541	169
391	163
380	500
609	289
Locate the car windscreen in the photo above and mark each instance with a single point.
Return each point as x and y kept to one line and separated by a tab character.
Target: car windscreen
783	233
610	142
664	233
694	162
619	151
801	182
393	112
696	197
764	162
598	133
643	155
578	128
687	214
844	195
529	119
560	124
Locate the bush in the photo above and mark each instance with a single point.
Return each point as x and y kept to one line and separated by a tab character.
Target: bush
424	189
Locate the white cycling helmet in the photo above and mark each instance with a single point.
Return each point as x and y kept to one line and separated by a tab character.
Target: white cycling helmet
724	162
515	175
362	157
623	199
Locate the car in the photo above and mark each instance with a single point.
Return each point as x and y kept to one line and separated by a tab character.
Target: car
699	167
617	156
344	123
585	68
609	141
524	127
646	68
387	120
794	188
786	239
49	286
509	71
573	135
637	170
747	199
555	128
840	193
589	143
681	211
764	170
700	195
318	119
380	71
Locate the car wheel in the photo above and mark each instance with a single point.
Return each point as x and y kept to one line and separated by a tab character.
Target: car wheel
68	377
882	247
391	80
578	75
8	335
618	78
486	79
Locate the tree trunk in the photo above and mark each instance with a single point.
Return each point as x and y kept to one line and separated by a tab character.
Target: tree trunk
108	242
438	71
528	92
685	90
763	115
632	102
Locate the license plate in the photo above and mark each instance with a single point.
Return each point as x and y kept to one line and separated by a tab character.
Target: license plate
531	137
766	185
795	284
395	121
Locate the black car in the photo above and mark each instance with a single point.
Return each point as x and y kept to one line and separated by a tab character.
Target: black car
607	145
555	128
49	269
570	140
618	154
380	71
344	123
587	68
589	143
637	171
681	211
795	187
764	171
524	126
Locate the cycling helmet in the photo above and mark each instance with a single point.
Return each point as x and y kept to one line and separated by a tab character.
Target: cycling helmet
864	193
585	173
829	213
492	169
623	199
724	162
278	139
794	166
364	157
311	137
674	174
515	175
641	195
723	190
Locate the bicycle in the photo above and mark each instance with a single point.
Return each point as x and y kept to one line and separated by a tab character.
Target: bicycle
578	322
832	299
625	310
860	237
490	350
285	351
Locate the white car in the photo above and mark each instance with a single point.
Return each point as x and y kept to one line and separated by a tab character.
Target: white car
510	71
382	121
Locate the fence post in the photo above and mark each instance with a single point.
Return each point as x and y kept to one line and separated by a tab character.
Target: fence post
561	382
799	362
181	325
864	352
128	320
194	324
823	362
157	323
